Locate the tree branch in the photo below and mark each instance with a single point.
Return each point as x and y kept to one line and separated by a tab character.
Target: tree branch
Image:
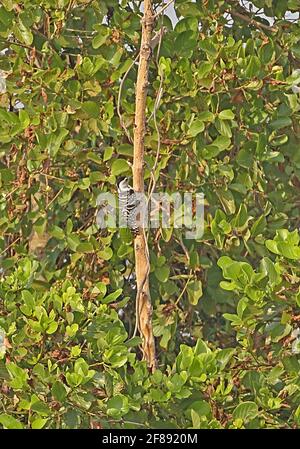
251	21
142	262
241	13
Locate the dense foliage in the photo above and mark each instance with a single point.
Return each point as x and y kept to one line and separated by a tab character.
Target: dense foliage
226	306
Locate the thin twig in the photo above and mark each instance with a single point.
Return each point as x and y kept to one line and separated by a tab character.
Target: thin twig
53	177
184	288
18	44
80	31
180	241
152	182
11	192
120	95
9	246
163	8
54	198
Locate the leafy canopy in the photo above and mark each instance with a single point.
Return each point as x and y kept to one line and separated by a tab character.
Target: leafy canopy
226	306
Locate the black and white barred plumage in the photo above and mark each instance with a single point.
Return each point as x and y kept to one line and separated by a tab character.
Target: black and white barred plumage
128	205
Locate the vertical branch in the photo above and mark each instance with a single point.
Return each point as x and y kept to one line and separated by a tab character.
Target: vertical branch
142	263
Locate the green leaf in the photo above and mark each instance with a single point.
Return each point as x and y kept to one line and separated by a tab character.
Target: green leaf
59	391
259	226
229	286
185	42
206	116
52	328
39	423
117	406
9	422
196	127
119	166
108	152
9	117
112	297
202	408
19	376
224	128
204	69
189	9
22	33
253	67
24	118
240	221
246	411
289	251
281	122
3	371
227	114
55	141
208	47
222	142
268	267
294	5
194	290
284	249
85	247
91	108
6	16
162	273
227	200
100	38
106	253
196	420
58	233
125	149
109	384
135	341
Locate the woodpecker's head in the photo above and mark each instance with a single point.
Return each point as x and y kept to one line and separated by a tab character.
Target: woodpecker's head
123	185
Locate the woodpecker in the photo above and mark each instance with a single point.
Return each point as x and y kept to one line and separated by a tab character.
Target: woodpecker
128	205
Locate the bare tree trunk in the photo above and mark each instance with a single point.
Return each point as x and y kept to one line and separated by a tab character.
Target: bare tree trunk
142	262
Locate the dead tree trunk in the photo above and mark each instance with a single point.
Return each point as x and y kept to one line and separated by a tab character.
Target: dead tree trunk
142	263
